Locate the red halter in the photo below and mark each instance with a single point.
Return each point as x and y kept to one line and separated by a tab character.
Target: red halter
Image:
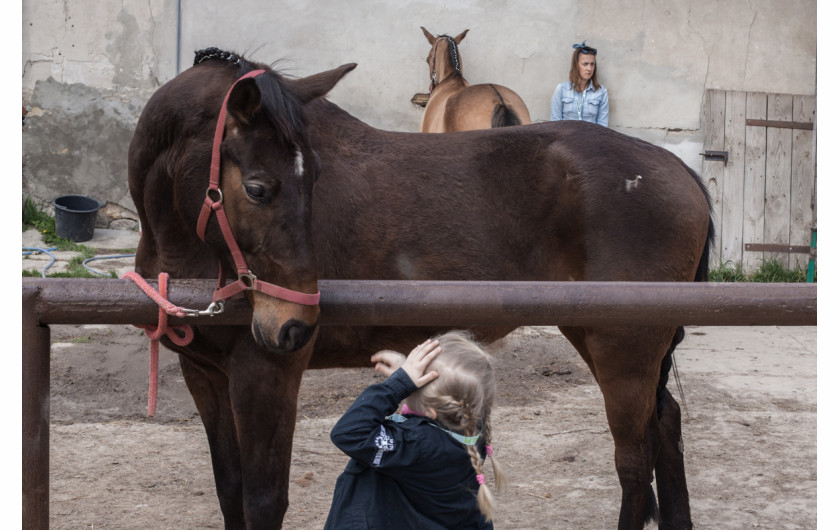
247	280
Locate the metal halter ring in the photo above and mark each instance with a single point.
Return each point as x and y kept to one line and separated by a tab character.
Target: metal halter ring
217	190
248	279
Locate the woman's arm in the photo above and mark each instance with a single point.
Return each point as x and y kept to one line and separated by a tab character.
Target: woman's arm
557	104
604	110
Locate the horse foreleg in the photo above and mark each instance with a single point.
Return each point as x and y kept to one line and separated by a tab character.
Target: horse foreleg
263	390
670	469
209	388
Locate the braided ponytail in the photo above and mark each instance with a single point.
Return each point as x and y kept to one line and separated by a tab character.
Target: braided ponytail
462	397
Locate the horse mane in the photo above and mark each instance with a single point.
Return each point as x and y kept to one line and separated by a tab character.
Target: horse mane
452	49
278	101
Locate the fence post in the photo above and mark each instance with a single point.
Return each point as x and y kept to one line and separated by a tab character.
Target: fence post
36	415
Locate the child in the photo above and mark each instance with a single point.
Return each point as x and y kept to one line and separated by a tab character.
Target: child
422	468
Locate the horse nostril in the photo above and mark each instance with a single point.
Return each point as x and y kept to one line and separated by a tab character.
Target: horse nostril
294	335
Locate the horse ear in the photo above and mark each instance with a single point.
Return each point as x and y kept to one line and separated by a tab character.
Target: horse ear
244	100
460	37
308	88
429	36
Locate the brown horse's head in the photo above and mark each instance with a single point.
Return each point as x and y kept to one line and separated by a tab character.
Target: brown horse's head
444	59
268	172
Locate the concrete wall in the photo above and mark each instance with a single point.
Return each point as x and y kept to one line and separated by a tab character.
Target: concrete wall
89	66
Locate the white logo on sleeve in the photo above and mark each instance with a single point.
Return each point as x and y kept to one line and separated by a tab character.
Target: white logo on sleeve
383	443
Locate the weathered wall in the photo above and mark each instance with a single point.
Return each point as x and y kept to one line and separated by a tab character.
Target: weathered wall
88	67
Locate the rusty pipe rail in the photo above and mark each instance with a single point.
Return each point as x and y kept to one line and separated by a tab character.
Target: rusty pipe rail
381	303
452	303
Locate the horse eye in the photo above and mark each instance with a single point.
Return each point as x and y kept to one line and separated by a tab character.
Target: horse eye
255	192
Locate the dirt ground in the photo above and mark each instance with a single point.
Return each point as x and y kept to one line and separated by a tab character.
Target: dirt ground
750	431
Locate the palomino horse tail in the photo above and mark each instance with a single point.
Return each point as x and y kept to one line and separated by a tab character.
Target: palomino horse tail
503	115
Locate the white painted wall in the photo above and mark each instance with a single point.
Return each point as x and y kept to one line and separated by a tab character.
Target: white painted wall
656	57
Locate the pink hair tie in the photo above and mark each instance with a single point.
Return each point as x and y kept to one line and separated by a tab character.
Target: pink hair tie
489	449
480	479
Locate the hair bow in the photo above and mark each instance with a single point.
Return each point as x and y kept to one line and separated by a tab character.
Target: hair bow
585	49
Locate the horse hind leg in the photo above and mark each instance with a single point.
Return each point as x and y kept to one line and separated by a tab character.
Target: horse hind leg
626	364
670	467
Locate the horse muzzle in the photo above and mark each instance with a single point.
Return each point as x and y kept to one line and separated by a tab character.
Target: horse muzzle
292	336
280	326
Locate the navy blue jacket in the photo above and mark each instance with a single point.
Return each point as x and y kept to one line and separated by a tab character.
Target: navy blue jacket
401	475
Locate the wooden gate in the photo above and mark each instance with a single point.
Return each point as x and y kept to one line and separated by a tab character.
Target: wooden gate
760	167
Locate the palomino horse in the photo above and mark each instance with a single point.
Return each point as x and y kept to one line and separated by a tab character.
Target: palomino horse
455	105
307	191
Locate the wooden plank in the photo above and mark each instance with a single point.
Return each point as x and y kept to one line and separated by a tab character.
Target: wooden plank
762	247
732	202
755	155
777	185
712	171
803	179
806	126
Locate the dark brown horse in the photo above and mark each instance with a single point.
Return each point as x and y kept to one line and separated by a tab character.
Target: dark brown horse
455	105
311	192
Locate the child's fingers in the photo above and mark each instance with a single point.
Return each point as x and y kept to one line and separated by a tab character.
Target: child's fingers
426	378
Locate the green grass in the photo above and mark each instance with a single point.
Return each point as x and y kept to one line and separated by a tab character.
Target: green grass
770	271
34	217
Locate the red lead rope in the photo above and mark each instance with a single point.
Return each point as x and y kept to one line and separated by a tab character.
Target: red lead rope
166	308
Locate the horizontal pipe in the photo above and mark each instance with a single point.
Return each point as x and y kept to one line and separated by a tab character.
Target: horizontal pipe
452	303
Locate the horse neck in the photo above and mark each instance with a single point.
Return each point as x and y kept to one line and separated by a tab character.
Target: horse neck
443	69
327	122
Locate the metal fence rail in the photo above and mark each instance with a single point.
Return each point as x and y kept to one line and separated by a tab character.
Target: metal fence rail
384	303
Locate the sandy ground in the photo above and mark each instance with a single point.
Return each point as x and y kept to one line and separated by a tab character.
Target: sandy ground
750	431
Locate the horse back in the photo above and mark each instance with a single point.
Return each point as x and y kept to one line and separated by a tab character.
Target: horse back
556	201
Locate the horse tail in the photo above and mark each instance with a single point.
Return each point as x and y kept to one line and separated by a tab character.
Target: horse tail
702	273
504	117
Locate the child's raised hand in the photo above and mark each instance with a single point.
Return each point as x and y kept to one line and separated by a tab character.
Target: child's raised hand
387	361
418	361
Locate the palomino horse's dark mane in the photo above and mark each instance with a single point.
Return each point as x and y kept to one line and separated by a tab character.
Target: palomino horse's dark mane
278	102
454	62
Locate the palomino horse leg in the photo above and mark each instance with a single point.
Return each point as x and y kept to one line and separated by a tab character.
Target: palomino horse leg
626	363
263	392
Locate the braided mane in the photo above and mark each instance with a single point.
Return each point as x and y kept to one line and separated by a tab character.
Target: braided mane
452	48
208	54
278	102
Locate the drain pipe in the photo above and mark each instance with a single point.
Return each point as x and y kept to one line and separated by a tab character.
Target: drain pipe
178	38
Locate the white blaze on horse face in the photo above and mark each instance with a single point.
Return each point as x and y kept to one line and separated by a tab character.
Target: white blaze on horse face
298	162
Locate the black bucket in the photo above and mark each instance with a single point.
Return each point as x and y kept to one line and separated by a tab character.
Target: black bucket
75	217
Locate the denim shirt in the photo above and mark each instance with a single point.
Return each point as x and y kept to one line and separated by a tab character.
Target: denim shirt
593	105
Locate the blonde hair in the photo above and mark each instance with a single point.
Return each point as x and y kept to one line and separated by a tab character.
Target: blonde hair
462	396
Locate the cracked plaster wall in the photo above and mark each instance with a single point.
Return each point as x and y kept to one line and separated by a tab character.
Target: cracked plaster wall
89	67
